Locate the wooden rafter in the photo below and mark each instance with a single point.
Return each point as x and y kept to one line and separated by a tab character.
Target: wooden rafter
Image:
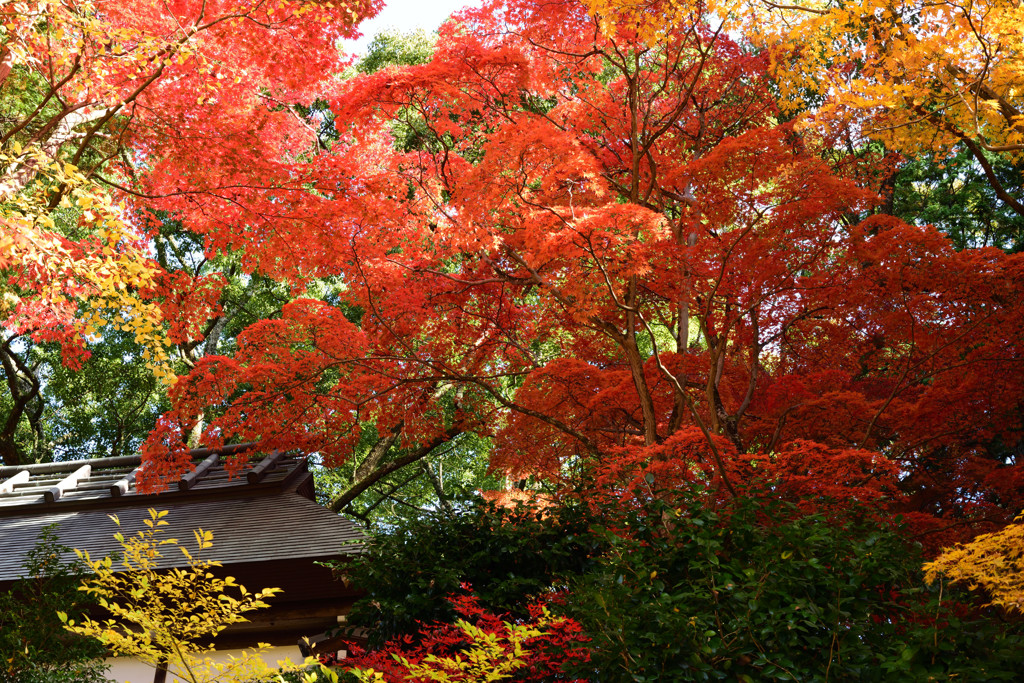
66	484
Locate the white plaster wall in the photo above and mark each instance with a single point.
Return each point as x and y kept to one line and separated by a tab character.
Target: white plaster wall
126	670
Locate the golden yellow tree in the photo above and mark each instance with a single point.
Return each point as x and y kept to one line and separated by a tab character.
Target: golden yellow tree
920	76
169	617
993	562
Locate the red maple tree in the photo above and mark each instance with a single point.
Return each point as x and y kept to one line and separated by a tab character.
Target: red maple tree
609	255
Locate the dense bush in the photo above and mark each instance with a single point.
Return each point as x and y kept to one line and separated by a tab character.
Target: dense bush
754	590
478	646
761	591
506	555
34	647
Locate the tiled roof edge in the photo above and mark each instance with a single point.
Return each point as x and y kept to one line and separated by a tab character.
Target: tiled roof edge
118	461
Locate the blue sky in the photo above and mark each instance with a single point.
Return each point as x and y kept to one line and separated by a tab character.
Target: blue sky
406	15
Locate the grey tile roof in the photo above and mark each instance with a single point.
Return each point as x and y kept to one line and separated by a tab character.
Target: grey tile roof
269	518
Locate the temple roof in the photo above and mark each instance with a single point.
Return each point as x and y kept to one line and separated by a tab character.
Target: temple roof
264	513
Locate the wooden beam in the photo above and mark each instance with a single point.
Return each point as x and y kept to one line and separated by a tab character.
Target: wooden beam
19	478
323	643
222	450
256	474
321	609
189	480
121	486
58	467
28	491
66	484
280	626
287	637
117	461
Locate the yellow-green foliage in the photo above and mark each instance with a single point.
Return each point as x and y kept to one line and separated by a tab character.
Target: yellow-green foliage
91	283
994	562
925	76
172	615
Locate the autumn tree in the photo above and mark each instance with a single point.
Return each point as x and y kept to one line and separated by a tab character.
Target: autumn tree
393	216
90	98
923	77
56	293
602	250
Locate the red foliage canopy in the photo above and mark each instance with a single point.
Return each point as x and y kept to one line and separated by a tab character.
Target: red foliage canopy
607	253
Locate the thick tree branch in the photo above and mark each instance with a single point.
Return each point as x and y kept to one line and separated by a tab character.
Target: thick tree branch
343	500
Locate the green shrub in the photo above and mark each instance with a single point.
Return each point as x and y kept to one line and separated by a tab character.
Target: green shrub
760	591
34	647
507	555
673	588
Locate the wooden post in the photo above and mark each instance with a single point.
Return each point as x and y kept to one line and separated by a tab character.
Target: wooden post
256	474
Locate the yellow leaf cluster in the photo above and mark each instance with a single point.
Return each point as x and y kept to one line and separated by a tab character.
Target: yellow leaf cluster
171	615
103	274
992	562
487	657
921	76
76	38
